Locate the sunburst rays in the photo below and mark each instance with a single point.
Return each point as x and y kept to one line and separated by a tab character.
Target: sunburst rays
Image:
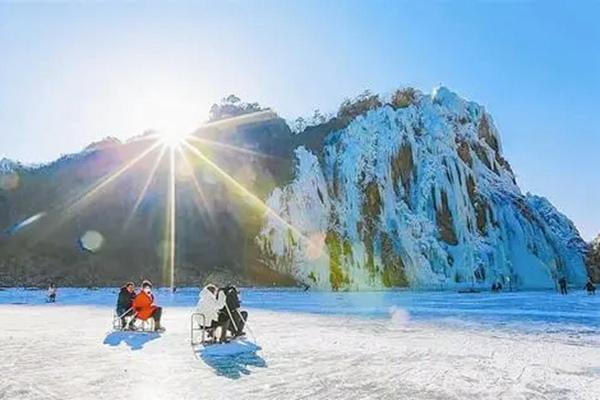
226	146
108	179
174	146
244	191
171	222
142	194
201	201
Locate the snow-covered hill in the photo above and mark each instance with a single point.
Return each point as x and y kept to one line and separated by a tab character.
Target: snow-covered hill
417	194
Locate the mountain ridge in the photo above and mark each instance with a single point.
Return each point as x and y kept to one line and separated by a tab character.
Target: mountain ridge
248	246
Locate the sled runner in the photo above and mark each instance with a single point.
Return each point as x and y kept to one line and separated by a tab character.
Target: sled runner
132	323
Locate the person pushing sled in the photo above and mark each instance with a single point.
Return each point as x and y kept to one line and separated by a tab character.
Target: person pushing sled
218	311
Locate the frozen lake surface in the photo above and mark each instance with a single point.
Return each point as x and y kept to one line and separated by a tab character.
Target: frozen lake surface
547	311
308	345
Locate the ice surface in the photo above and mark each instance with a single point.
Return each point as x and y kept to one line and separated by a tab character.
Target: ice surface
533	311
310	345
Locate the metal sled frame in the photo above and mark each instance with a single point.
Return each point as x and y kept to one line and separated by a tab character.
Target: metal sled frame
147	325
198	324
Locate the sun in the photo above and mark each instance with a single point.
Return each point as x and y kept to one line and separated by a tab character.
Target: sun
172	140
178	148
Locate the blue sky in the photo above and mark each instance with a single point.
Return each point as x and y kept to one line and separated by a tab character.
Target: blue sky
72	73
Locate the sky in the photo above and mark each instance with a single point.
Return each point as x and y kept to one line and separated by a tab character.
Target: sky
73	73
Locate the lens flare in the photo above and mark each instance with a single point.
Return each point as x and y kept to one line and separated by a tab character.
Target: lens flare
28	221
314	249
91	241
9	181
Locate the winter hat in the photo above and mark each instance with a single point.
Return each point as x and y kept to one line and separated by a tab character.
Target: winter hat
211	288
146	283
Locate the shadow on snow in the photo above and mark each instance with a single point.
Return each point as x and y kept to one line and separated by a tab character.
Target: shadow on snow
135	340
232	360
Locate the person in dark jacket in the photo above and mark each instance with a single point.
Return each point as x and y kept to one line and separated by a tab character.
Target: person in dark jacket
125	302
562	283
233	312
589	286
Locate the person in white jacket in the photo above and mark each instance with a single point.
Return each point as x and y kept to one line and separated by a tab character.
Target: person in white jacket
210	303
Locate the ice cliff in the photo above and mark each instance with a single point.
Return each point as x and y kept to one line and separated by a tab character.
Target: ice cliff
416	194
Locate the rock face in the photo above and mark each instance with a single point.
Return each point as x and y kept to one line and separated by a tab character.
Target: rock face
416	192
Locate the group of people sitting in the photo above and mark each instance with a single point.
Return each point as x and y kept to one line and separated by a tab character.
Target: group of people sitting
219	306
221	310
138	306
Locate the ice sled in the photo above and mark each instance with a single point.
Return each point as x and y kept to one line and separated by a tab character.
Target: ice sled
199	328
203	334
137	324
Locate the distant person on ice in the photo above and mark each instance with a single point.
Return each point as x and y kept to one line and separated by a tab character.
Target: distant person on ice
496	287
144	306
51	293
211	302
562	283
125	302
589	286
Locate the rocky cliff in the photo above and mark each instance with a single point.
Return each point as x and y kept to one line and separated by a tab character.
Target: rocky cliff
415	191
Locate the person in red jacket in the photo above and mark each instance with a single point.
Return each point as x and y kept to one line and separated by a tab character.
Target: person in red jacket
145	308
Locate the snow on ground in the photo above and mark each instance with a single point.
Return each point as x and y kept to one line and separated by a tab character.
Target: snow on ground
390	348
